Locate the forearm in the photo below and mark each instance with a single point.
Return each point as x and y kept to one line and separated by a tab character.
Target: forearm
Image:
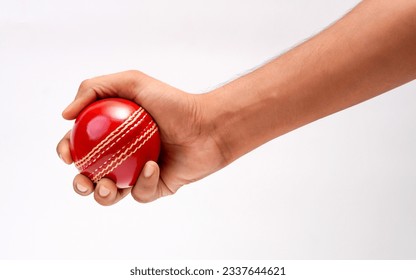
368	52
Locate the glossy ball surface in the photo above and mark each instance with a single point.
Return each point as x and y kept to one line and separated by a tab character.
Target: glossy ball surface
113	138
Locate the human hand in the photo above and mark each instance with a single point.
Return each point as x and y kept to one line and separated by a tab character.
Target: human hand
189	151
202	133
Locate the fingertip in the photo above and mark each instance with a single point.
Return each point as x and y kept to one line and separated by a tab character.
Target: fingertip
149	169
73	109
83	185
146	187
66	157
106	192
66	113
84	97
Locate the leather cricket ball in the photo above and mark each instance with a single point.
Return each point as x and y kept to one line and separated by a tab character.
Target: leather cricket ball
114	138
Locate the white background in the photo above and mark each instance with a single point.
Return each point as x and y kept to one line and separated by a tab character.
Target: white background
340	188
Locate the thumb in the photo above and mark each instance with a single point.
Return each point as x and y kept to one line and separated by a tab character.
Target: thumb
146	188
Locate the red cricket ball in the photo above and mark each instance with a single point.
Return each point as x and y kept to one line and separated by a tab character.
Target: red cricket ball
114	138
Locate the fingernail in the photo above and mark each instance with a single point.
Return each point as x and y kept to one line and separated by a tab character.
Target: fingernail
103	191
81	188
148	170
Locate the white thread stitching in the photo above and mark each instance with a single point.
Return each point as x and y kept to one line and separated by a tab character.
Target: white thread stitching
97	157
122	157
130	143
95	153
120	129
125	155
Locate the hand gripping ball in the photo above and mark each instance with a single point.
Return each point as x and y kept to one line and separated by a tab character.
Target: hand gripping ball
114	138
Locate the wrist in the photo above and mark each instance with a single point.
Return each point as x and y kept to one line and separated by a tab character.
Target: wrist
217	121
239	118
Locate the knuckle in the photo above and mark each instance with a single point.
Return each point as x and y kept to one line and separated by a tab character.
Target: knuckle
133	72
136	78
141	198
84	85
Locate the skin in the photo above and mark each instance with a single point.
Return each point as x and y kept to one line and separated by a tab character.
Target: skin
369	51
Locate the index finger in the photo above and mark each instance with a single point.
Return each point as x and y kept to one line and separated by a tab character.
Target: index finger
123	84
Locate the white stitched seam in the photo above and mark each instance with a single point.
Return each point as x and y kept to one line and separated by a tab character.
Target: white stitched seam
129	144
115	133
124	156
95	153
97	157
